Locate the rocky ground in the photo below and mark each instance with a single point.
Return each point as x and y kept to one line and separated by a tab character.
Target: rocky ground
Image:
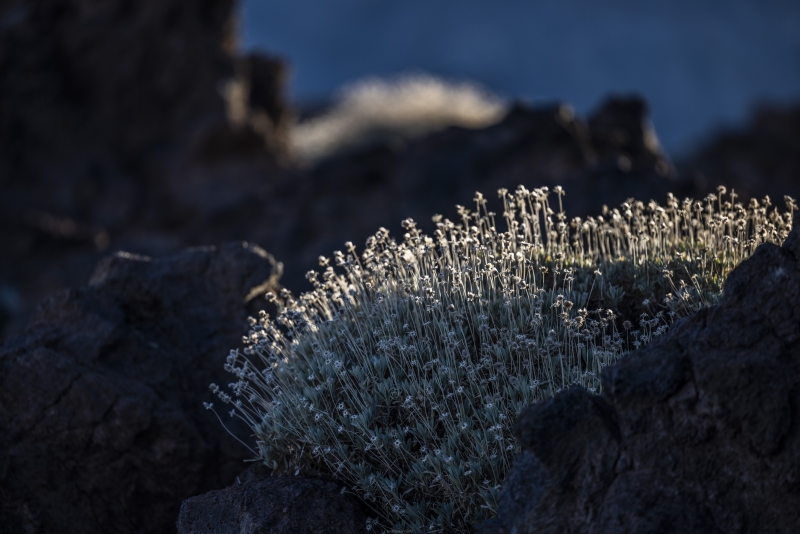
103	428
141	128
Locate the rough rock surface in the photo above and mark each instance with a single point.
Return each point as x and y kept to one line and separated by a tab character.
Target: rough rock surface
259	504
102	427
699	432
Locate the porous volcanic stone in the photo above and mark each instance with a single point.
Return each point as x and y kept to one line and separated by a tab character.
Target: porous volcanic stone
698	432
102	427
264	505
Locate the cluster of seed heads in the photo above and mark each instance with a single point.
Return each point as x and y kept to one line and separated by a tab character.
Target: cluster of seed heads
402	372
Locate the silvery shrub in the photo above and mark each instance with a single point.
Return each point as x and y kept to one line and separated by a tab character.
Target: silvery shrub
402	371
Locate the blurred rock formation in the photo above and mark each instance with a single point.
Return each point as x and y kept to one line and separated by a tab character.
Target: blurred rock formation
760	159
606	160
124	125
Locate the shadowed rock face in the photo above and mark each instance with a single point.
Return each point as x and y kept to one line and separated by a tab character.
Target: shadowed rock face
761	159
698	432
125	125
102	427
259	504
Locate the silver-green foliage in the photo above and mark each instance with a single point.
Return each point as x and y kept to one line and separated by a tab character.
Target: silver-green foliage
402	371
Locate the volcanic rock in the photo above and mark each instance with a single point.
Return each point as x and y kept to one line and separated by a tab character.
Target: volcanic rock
102	427
698	432
265	504
125	125
761	158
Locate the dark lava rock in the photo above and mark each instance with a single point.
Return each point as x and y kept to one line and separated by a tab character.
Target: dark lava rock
125	125
102	427
699	432
762	158
266	504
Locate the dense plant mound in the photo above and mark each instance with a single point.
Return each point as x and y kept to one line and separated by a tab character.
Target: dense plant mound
402	371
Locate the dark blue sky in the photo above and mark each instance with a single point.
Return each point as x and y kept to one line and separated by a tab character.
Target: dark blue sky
701	63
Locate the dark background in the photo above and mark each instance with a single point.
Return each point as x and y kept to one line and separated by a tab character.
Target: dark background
155	125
